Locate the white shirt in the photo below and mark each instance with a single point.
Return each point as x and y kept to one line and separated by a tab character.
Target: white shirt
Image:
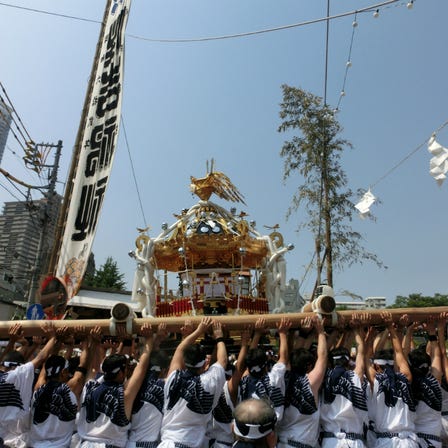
189	402
53	427
102	416
16	387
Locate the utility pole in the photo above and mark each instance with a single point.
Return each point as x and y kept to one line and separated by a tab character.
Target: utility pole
42	255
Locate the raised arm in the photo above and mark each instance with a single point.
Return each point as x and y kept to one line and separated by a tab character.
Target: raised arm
317	374
15	333
221	351
54	338
408	338
441	339
401	362
177	361
260	330
89	346
359	320
283	327
369	339
433	348
240	366
138	375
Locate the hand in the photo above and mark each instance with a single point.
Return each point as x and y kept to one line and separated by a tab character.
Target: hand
62	333
284	325
186	329
217	330
260	325
386	317
404	320
146	330
121	332
162	332
38	340
205	324
109	344
48	329
306	324
96	334
318	324
15	333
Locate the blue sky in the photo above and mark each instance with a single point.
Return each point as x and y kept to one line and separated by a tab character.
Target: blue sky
185	103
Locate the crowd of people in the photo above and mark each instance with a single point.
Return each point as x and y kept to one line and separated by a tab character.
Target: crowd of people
353	385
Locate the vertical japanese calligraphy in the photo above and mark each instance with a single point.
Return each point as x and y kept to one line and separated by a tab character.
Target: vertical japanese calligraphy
96	145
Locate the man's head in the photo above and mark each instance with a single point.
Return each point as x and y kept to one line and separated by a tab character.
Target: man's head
159	362
194	357
339	357
12	360
55	365
254	422
114	367
383	359
302	361
256	361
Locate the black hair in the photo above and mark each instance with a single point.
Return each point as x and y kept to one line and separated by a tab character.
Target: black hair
419	363
159	359
15	357
386	354
302	361
73	363
193	355
256	358
112	365
342	356
54	366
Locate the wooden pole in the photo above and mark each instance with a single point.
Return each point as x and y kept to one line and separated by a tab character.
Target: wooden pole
231	322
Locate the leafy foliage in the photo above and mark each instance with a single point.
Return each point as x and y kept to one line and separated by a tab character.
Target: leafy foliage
419	301
107	276
315	154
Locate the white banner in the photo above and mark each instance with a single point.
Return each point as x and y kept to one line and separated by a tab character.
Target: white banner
96	151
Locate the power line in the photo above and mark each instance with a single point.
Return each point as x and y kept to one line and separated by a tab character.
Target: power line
269	30
228	36
133	173
391	170
14	112
41	11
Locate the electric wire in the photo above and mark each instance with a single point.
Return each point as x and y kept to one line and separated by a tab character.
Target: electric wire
404	159
10	192
32	174
348	64
222	37
13	109
133	172
41	11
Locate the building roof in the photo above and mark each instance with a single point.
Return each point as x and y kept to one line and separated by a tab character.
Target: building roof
101	299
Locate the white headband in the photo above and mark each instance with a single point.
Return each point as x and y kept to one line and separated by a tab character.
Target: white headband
253	432
197	365
384	362
116	370
341	356
52	371
255	369
11	364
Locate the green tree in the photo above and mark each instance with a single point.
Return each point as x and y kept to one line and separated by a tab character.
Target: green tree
419	301
315	154
107	276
